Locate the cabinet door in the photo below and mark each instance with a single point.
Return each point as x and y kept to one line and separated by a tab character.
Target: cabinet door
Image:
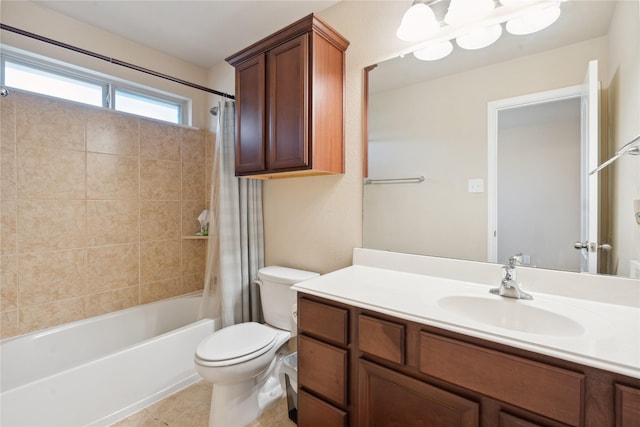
387	398
288	71
627	406
250	104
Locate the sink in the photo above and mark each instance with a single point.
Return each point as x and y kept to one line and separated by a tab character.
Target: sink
511	314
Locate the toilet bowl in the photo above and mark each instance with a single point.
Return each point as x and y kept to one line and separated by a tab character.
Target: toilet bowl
243	361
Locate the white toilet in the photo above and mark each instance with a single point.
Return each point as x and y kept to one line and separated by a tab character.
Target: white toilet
240	360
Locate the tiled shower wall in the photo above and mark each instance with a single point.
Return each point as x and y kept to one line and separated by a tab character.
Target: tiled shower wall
95	205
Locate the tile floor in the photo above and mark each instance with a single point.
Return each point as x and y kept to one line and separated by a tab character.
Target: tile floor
190	408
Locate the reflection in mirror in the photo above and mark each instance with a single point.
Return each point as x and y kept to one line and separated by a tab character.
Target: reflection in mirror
431	119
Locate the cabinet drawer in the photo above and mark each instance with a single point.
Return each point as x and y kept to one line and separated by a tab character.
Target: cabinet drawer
381	338
323	321
322	368
313	412
546	390
388	398
627	406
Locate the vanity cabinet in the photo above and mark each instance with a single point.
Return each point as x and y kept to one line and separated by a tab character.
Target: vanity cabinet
366	369
290	102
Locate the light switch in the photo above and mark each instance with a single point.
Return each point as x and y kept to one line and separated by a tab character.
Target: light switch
476	185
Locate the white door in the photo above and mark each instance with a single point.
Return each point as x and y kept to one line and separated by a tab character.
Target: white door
588	243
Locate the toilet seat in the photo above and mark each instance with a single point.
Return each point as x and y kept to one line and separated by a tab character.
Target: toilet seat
236	344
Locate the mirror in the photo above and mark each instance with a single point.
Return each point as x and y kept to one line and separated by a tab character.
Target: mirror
431	182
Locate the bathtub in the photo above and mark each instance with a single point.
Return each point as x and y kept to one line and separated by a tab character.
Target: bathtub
97	371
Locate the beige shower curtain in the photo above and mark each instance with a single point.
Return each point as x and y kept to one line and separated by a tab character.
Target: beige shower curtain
235	250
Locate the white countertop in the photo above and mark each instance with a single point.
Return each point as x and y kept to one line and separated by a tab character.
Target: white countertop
608	335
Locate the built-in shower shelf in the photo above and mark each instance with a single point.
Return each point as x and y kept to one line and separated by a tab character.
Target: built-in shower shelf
195	237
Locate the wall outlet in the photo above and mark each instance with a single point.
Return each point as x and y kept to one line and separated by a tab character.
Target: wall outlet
476	185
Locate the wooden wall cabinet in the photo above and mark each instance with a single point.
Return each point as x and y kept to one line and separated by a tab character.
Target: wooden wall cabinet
362	368
290	102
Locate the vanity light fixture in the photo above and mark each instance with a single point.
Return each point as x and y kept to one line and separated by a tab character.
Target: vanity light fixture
474	24
418	23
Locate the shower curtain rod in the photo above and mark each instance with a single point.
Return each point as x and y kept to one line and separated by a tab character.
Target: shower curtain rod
112	60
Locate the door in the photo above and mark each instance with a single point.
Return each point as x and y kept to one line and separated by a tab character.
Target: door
250	126
588	244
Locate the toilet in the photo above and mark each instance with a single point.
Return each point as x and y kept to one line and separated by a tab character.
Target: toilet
241	360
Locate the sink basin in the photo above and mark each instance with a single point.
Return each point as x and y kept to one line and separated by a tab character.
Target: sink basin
511	314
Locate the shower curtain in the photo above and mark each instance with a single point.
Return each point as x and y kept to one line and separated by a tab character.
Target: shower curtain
235	251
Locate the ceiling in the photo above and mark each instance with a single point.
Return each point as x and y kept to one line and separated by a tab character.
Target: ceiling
201	32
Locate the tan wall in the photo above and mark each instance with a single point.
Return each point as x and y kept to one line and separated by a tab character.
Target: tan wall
94	207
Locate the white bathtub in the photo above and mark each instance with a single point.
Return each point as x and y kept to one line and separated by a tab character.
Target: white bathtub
99	370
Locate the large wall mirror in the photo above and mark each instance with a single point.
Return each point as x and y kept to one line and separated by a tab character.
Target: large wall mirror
486	154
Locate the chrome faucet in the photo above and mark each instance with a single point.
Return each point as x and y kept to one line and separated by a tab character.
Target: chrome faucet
509	286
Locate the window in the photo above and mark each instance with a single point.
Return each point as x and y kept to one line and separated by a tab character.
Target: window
97	90
145	105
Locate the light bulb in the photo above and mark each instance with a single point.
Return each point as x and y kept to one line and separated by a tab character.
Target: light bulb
418	23
480	37
465	11
434	51
534	20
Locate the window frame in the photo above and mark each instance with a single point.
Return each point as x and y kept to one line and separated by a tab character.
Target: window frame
108	83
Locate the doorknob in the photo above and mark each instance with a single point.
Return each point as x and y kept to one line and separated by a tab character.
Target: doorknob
581	245
605	247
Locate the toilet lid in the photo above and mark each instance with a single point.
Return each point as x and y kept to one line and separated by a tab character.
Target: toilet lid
242	341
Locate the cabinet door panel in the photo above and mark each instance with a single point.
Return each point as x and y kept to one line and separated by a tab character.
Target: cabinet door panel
322	368
313	412
508	420
288	70
250	105
627	406
387	398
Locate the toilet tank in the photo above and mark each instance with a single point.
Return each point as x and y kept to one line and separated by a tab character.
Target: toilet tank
276	295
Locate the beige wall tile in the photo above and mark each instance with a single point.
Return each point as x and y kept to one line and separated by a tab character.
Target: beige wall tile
112	222
191	209
8	120
51	174
193	145
193	256
159	180
155	291
118	299
112	267
8	324
48	123
111	177
193	184
159	220
46	225
8	172
8	282
192	282
159	141
8	227
112	133
159	260
51	276
52	314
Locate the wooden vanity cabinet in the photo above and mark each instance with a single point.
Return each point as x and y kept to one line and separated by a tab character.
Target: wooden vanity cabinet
290	102
387	371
